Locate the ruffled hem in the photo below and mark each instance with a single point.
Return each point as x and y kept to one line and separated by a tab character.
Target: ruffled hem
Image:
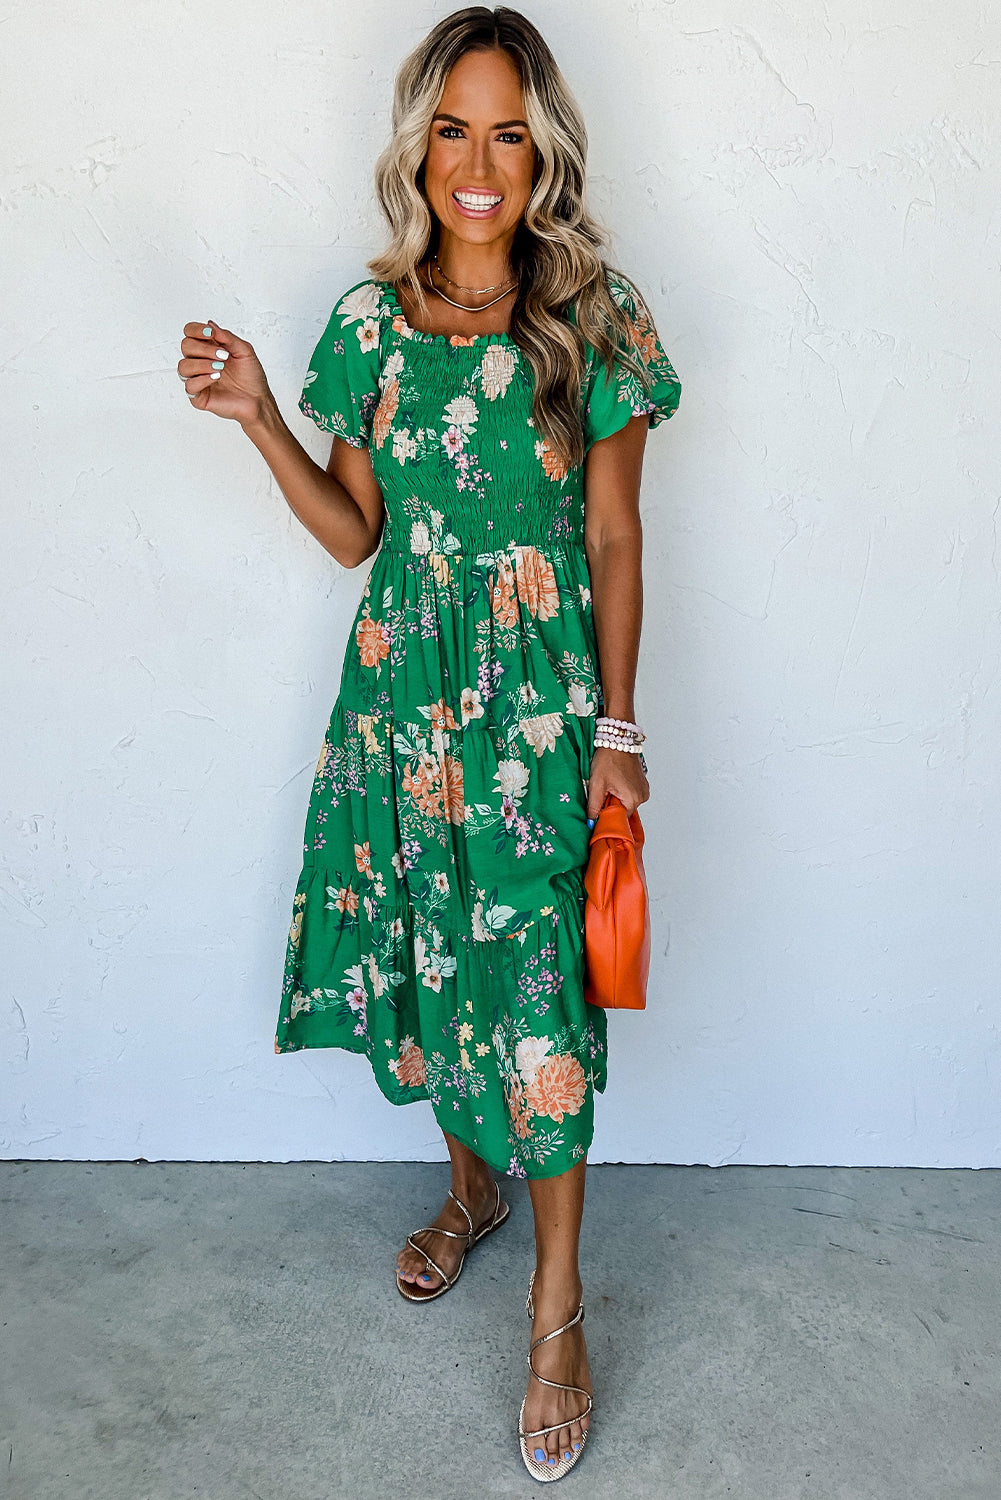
492	1030
389	948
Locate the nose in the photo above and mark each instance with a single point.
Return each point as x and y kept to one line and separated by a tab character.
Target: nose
482	160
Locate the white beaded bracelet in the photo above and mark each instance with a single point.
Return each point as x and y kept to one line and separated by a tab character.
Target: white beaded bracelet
604	722
617	738
618	734
631	748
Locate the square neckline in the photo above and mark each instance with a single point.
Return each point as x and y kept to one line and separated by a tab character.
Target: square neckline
462	341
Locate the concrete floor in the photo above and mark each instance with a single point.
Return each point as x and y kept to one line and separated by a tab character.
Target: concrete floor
233	1331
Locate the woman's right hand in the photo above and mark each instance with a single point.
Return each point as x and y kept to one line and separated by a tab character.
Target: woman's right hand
237	388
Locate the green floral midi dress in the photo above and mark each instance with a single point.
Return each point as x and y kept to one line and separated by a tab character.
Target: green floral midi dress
438	921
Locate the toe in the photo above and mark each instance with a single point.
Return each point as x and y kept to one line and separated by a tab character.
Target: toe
407	1266
563	1443
413	1270
552	1448
423	1279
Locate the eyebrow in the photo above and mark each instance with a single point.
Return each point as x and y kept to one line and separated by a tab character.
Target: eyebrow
501	125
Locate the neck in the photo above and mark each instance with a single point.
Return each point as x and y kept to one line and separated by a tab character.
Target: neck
474	265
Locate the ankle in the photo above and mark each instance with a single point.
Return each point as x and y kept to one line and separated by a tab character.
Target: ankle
557	1284
473	1190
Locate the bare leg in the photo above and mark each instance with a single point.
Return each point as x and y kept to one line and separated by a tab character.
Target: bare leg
472	1182
558	1204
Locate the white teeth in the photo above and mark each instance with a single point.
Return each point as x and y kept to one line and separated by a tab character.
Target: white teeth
476	200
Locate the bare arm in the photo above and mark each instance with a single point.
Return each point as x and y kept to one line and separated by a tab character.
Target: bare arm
613	540
343	506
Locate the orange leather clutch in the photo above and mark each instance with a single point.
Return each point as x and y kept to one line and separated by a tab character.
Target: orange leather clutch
616	912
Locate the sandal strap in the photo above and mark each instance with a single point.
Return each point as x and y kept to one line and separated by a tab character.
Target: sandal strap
453	1234
497	1208
470	1234
541	1431
557	1385
578	1317
432	1263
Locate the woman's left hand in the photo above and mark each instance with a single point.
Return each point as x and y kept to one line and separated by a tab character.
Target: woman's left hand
617	771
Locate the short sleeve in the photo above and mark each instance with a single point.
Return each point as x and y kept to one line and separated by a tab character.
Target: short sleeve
340	391
610	402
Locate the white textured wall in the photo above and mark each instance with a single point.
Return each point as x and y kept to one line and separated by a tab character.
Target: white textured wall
811	201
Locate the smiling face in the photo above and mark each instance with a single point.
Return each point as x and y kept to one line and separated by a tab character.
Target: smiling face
480	156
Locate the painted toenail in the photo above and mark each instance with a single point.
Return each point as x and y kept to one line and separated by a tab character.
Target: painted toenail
552	1460
540	1455
568	1454
576	1445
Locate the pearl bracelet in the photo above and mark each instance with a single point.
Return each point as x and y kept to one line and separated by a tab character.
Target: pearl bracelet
604	722
617	734
619	728
619	737
631	748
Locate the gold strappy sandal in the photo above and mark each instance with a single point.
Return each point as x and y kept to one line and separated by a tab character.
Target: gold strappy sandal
407	1289
547	1471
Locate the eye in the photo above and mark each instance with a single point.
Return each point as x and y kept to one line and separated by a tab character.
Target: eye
510	137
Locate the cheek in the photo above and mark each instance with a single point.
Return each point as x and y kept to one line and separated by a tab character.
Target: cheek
523	176
437	166
521	191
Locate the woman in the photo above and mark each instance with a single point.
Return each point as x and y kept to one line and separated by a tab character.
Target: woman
489	390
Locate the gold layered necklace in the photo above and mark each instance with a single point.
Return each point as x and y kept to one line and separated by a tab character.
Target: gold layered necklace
476	290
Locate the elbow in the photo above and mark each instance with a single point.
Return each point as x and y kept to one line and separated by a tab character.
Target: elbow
608	540
348	559
353	557
357	561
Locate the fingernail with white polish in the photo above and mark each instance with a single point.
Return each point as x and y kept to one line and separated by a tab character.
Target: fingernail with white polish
214	375
222	354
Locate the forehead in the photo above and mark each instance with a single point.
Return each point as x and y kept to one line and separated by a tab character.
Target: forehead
479	82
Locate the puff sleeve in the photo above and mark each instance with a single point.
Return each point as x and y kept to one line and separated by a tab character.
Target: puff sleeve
341	390
611	401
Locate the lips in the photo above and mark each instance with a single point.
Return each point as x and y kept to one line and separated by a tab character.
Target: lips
477	205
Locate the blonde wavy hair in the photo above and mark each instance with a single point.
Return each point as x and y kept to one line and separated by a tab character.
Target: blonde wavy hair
557	249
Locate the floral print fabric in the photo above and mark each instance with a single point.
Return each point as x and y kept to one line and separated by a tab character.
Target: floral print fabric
438	918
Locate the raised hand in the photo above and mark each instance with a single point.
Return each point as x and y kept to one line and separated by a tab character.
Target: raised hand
222	373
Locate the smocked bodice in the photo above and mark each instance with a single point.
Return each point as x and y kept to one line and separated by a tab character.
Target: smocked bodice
448	423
